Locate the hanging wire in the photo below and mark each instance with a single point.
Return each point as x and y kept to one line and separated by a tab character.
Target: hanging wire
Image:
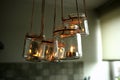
32	16
77	8
62	15
78	13
42	17
62	19
54	16
84	3
62	10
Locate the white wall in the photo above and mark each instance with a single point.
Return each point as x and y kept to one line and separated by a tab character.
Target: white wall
110	25
15	22
92	51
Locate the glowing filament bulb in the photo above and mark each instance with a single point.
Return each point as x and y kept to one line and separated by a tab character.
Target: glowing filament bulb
61	50
47	52
72	49
61	54
30	50
37	54
83	29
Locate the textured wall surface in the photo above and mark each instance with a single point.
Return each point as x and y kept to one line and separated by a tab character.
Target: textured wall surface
41	71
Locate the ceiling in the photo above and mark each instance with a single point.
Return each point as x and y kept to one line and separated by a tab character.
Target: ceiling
90	4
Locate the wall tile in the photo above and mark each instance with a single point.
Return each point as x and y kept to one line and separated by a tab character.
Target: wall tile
42	71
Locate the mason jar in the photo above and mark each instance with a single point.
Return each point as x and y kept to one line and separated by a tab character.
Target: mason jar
67	43
79	20
48	50
32	47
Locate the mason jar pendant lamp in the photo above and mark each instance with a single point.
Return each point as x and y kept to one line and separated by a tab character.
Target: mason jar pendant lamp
65	43
33	50
77	22
68	47
68	36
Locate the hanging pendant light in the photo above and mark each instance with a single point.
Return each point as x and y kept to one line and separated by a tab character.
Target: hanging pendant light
46	46
31	47
79	19
49	43
68	36
65	43
76	20
33	50
69	47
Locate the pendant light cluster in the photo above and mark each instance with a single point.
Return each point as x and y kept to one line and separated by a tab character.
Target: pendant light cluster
66	41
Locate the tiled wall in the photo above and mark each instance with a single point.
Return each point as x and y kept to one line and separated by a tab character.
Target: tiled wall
41	71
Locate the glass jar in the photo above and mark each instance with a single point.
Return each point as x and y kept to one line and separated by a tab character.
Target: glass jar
59	49
68	43
48	50
32	47
79	21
